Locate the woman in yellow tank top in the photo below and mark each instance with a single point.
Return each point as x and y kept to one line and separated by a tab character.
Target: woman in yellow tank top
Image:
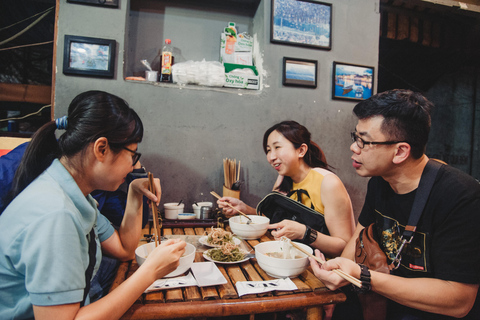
301	165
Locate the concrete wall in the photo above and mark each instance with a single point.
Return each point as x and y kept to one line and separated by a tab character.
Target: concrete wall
188	131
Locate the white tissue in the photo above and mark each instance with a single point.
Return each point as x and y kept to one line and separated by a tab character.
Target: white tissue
206	73
243	71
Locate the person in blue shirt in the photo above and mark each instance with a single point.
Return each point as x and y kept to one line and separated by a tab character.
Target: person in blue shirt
110	203
52	235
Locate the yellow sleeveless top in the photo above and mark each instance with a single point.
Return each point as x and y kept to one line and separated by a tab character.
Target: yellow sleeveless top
312	184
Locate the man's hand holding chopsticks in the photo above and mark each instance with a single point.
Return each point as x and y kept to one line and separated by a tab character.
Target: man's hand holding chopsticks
331	279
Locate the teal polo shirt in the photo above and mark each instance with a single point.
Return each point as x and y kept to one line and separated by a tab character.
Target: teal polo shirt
44	246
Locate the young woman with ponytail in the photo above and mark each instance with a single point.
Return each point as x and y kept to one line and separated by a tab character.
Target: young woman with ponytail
301	165
52	235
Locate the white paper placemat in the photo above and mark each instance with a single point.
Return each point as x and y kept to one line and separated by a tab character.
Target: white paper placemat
253	287
178	282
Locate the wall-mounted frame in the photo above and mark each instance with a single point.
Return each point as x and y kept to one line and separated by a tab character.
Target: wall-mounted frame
299	72
101	3
89	56
301	23
352	81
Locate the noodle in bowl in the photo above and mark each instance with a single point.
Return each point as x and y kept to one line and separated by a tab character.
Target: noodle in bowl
280	267
257	228
186	259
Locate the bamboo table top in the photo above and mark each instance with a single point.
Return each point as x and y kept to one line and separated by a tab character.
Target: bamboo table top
223	300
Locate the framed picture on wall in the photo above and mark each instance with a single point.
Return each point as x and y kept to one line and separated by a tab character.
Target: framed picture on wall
352	81
89	56
302	23
299	72
102	3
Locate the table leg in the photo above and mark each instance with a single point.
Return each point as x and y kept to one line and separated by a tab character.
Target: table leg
314	313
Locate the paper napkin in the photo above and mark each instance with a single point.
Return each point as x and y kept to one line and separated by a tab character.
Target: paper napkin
169	283
253	287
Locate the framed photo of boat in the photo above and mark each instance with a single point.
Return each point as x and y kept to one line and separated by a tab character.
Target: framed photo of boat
87	56
352	81
303	23
299	72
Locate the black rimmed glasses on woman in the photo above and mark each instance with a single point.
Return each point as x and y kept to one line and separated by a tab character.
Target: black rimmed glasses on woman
135	157
361	143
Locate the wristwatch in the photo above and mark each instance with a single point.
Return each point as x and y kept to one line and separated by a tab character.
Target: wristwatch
310	235
140	170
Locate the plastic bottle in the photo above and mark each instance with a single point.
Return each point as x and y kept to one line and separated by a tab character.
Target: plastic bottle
231	38
167	62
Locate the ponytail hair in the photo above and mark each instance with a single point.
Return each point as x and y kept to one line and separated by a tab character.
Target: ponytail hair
91	115
297	135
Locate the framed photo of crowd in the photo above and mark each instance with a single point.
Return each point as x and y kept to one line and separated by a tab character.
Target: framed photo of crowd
302	23
101	3
88	56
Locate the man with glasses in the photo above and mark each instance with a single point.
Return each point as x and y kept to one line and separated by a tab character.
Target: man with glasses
439	274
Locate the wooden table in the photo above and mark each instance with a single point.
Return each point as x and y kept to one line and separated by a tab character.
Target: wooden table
223	300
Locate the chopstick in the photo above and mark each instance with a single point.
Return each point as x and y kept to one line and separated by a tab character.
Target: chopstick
231	173
213	193
341	273
156	232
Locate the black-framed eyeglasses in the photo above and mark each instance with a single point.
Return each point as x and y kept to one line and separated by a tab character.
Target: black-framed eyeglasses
361	143
135	157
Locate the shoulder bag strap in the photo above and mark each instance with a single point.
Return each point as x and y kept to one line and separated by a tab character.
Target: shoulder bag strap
429	175
299	193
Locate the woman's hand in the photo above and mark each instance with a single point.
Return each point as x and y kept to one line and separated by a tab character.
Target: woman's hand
288	228
227	210
165	258
140	186
324	272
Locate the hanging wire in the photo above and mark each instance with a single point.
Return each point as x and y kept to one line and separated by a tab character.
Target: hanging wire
1	29
26	29
27	45
28	115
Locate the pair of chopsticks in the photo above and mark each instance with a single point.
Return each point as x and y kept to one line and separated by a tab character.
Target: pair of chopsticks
341	273
156	227
213	193
231	172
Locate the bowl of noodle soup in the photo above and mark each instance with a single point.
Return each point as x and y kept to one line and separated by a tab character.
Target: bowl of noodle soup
279	259
257	228
186	259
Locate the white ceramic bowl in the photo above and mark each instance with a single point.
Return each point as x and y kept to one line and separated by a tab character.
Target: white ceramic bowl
196	208
186	260
251	231
173	209
278	267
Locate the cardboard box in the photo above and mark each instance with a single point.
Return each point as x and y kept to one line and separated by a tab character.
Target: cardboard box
243	81
243	50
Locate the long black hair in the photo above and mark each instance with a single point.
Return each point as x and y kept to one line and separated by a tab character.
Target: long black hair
91	115
297	135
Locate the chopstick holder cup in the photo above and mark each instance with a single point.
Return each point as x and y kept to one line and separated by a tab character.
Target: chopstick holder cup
231	193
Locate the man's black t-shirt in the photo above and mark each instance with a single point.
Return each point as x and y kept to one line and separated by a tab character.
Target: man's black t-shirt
446	242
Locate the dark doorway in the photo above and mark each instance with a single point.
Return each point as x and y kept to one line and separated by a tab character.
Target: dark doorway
435	49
